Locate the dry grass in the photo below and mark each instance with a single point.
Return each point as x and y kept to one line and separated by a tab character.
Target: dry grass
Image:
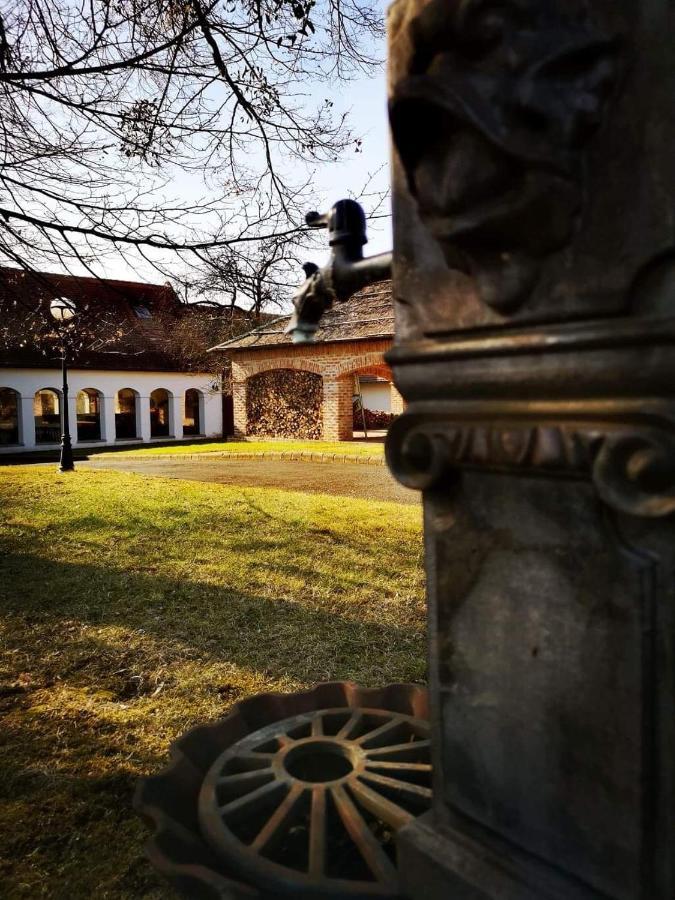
133	608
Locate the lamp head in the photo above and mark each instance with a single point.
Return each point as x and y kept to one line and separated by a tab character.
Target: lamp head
62	309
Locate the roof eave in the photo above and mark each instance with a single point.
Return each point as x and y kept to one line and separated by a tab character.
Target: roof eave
253	331
389	335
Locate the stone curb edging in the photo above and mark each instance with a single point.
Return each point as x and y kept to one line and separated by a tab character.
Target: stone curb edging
289	455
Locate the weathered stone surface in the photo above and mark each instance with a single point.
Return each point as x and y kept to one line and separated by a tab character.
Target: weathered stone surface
539	127
533	276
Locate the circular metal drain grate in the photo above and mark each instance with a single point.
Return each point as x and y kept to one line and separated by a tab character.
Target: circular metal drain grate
292	795
311	802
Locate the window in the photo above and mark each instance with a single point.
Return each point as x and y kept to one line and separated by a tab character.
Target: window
142	312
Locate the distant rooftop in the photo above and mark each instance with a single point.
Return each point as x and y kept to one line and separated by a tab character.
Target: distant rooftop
368	314
130	323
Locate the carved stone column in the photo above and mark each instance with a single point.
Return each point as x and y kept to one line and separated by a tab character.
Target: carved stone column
534	278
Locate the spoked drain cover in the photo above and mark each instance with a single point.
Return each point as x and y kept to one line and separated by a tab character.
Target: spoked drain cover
313	801
293	795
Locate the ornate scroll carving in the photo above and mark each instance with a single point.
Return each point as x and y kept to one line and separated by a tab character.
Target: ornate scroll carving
491	123
635	473
632	468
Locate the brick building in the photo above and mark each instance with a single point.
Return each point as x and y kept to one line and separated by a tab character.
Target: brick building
281	389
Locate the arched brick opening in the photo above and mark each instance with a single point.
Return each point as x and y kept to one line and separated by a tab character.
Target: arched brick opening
366	363
386	407
339	393
285	403
336	363
381	371
251	369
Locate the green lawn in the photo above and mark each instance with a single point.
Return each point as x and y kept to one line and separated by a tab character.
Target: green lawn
340	448
133	608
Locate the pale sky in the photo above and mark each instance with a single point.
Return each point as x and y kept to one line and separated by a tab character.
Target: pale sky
367	105
364	100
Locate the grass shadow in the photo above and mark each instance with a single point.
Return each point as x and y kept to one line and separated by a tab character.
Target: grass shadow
131	610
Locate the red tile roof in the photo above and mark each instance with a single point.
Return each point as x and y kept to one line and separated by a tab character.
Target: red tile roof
368	314
120	324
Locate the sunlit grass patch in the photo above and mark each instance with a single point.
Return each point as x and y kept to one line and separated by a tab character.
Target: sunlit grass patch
132	608
339	448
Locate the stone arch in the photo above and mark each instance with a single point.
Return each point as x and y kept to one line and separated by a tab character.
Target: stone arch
47	415
284	402
10	421
88	408
127	419
193	416
161	413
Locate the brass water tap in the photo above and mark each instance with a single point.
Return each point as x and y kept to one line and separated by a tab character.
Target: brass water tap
346	273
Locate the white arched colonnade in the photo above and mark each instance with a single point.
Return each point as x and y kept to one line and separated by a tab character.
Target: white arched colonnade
106	407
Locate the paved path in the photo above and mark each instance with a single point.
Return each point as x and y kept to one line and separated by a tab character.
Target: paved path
342	479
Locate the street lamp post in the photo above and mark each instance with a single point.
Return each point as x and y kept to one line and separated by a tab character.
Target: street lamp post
63	311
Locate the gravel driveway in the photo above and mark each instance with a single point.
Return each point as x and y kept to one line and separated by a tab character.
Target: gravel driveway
342	479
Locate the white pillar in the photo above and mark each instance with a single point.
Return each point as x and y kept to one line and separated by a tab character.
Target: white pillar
201	405
26	422
108	419
176	414
72	416
143	417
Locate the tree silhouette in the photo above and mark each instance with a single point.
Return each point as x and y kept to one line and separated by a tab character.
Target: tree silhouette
105	103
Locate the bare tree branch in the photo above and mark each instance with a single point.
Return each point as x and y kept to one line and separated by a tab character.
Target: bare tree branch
104	105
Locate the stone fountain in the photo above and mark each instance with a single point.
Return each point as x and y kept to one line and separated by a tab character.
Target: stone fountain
534	282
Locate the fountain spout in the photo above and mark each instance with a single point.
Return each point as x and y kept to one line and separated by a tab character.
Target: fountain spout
347	272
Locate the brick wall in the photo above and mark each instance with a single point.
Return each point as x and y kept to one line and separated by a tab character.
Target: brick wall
397	401
336	363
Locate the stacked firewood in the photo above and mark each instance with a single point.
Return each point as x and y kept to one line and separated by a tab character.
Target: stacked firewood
284	403
375	419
